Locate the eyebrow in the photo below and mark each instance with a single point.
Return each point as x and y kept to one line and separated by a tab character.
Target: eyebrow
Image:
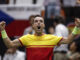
36	19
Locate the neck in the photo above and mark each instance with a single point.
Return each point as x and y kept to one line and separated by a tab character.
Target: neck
39	34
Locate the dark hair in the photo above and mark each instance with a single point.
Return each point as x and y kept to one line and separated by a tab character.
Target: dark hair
77	43
33	16
30	18
59	19
36	16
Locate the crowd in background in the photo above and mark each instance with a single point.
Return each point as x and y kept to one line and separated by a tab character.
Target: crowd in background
56	23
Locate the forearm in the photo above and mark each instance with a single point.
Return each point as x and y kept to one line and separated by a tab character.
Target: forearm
6	39
7	42
68	40
71	36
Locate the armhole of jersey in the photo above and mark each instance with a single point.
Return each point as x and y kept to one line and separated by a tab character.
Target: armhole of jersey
59	41
20	42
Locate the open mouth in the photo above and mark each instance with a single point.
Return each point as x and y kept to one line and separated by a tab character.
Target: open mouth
38	27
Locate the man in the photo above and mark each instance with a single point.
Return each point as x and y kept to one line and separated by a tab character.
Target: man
52	8
60	30
71	9
39	45
29	30
74	50
14	54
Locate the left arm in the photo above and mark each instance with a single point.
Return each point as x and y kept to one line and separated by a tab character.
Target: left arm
68	40
73	34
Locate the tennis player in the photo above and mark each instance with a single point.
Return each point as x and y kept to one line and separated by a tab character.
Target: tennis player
39	46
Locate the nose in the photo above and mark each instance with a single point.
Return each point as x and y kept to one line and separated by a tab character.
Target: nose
38	22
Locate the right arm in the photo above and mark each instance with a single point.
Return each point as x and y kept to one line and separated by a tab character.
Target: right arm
6	39
11	44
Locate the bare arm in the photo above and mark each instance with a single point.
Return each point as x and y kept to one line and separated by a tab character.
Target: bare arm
11	44
7	40
71	36
68	40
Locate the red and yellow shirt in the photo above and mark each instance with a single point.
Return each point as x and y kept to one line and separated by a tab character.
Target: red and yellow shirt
39	47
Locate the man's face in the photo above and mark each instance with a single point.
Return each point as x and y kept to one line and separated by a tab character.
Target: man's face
38	24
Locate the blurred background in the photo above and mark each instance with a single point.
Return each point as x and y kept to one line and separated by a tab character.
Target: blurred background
17	13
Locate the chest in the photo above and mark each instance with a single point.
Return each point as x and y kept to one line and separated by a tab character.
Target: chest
41	41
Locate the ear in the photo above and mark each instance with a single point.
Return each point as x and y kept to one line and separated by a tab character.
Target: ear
44	25
33	26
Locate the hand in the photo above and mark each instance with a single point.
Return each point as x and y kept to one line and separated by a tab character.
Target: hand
2	25
78	1
77	22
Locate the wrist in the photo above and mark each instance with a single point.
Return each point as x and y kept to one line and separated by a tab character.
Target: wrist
3	33
75	30
78	27
2	29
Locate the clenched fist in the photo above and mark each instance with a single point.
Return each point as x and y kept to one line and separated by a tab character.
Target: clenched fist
78	1
2	25
77	22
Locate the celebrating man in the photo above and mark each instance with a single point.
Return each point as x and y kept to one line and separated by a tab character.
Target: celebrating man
39	46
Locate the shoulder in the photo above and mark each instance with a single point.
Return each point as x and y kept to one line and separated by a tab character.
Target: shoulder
50	35
27	29
61	26
20	53
28	35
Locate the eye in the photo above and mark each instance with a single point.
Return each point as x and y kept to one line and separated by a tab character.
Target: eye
41	20
35	21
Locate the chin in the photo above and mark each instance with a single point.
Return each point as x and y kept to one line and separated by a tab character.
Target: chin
39	32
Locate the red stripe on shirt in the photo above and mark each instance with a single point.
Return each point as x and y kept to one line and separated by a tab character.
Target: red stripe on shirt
59	42
20	42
